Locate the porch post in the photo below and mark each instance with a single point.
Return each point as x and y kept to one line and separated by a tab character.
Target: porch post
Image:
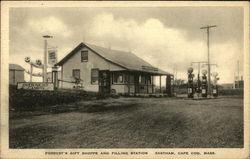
160	83
129	83
167	84
152	79
147	84
134	75
139	84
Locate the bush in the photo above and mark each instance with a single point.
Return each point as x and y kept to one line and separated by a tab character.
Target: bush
231	92
23	99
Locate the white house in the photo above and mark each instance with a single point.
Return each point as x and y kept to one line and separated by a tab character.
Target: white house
104	70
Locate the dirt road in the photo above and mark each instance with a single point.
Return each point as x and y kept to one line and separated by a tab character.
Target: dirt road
132	123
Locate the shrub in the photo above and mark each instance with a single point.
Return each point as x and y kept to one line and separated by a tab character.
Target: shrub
231	92
23	99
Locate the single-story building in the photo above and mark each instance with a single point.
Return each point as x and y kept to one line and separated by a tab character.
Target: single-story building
104	70
16	74
227	86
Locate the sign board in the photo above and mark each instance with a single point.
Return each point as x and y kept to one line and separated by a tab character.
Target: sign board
35	86
52	57
203	91
214	91
149	68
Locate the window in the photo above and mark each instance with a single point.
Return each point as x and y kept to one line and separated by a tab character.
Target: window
94	75
84	56
76	73
149	80
118	78
142	79
126	80
131	79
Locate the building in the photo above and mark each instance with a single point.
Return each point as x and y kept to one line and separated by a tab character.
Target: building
239	84
16	74
98	69
227	86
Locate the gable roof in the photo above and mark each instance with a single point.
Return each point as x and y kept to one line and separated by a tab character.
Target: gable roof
15	67
126	60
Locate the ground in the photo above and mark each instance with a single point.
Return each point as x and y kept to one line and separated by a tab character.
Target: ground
131	123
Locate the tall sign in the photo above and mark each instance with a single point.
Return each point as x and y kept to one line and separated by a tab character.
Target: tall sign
52	57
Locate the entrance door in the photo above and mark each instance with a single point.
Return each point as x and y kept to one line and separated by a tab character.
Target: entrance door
136	81
104	81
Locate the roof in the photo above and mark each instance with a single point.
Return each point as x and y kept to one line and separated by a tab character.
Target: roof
126	60
15	67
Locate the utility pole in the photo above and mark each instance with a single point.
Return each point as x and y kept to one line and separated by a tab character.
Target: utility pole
175	74
208	58
45	57
238	79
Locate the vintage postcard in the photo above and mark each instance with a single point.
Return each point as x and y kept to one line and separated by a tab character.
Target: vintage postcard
124	79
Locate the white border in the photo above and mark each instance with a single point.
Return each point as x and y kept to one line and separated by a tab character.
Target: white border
39	153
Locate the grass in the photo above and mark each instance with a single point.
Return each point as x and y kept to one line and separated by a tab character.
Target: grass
131	123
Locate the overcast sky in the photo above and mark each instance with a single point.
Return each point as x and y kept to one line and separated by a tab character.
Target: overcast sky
166	37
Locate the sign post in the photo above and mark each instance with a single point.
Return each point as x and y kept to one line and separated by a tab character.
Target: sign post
45	57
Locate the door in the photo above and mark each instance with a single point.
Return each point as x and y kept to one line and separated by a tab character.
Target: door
136	81
104	81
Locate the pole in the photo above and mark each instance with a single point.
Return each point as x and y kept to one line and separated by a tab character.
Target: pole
208	58
45	57
160	83
208	61
31	72
45	61
198	81
238	79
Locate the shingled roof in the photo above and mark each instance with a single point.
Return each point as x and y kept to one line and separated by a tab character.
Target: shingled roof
126	60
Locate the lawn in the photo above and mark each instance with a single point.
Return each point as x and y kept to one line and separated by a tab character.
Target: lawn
131	123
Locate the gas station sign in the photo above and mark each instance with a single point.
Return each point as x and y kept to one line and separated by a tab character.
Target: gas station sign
35	86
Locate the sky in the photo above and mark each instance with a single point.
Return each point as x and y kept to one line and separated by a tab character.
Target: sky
169	38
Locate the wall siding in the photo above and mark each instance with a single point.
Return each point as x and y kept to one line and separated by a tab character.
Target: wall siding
16	76
94	61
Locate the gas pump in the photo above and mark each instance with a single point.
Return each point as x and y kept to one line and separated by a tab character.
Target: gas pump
170	85
204	84
190	83
215	87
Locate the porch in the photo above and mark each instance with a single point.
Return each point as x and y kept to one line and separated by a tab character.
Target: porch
139	83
